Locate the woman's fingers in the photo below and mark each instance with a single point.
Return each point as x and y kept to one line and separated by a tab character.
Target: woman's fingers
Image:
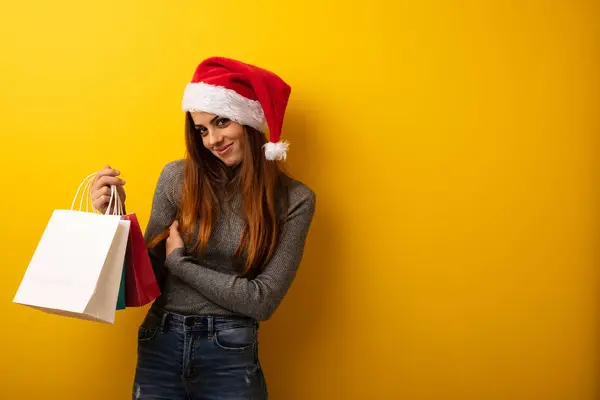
108	180
104	179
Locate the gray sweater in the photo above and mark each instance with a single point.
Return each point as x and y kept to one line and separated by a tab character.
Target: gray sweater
208	283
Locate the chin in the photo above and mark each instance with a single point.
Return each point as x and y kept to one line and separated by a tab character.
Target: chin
230	161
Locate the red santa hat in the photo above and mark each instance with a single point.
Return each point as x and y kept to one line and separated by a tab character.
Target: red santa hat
244	93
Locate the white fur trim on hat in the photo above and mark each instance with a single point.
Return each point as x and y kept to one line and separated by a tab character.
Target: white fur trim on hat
276	151
218	100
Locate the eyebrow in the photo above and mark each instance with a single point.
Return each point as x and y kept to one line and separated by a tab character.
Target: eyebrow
211	121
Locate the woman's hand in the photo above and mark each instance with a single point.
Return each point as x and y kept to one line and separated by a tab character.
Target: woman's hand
174	241
101	188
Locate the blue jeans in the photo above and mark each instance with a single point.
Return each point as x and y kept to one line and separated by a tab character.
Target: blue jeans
198	358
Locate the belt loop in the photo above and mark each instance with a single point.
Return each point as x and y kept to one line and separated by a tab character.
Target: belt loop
211	326
163	320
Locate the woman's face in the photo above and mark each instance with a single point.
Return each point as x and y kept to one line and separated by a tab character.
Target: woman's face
222	137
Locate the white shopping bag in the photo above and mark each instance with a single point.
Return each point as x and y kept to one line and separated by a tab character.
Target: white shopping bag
76	268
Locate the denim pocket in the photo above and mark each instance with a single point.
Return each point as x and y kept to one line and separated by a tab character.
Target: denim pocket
236	338
149	327
146	334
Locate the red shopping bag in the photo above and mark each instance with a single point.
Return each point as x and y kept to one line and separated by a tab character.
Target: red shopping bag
140	282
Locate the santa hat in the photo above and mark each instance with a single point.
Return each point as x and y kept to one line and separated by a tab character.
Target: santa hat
244	93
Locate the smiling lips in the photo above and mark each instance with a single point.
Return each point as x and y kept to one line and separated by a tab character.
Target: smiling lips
223	150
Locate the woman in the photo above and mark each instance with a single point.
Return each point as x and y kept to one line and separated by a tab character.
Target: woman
226	235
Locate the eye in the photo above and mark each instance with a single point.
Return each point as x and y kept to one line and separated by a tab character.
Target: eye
223	122
201	130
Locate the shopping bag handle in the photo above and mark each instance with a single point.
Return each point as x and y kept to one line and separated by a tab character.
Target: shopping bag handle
87	182
118	205
114	202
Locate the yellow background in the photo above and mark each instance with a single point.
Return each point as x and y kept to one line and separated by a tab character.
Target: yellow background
452	146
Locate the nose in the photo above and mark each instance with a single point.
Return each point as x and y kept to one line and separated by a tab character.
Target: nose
214	138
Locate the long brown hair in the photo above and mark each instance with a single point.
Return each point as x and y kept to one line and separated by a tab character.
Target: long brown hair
208	181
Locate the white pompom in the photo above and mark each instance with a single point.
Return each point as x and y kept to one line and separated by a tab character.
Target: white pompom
276	151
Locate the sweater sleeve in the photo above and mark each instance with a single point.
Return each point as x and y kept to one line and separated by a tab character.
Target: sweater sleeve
163	213
258	297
